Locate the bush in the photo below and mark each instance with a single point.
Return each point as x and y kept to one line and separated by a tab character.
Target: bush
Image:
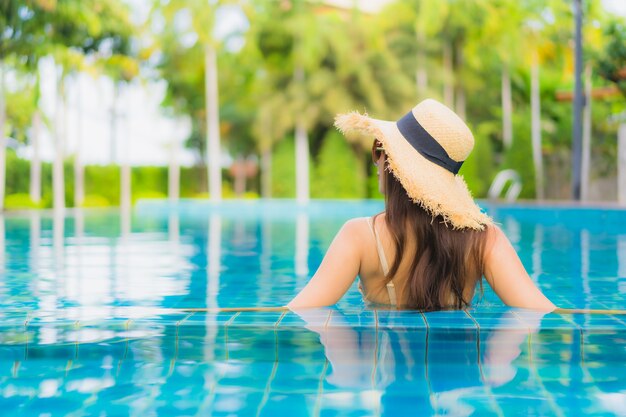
103	180
19	201
372	184
520	156
284	170
148	195
479	168
338	172
95	200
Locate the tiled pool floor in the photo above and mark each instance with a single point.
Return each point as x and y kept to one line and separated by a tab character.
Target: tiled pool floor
319	362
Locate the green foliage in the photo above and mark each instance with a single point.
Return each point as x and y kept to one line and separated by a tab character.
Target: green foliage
479	169
149	179
103	180
19	202
284	170
612	64
95	200
20	111
148	195
300	65
338	172
17	174
372	183
520	156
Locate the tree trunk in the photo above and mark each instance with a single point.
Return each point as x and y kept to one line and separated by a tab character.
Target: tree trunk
266	173
79	177
35	162
240	177
58	180
507	108
125	174
302	164
421	75
535	105
3	142
212	122
460	106
621	164
448	75
173	189
586	156
302	152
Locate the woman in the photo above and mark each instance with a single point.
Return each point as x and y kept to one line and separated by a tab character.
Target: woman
432	244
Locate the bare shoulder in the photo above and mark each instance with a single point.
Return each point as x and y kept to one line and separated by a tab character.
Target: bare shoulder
495	238
355	228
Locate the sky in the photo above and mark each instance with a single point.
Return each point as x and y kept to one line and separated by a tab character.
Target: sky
145	135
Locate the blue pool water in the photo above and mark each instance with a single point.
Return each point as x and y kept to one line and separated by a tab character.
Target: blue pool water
92	319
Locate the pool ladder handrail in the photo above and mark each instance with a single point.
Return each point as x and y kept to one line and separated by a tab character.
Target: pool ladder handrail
501	180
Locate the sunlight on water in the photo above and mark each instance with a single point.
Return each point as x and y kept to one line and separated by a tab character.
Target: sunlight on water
92	320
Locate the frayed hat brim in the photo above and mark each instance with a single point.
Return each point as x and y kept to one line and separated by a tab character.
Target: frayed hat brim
436	189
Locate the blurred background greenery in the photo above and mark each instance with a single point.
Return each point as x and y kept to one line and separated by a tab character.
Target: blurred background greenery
264	93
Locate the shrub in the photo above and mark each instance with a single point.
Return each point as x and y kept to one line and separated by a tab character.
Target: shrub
338	172
19	201
148	195
284	170
95	200
478	170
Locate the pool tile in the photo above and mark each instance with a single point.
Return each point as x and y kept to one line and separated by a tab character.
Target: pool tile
212	319
350	403
353	319
248	318
235	403
306	317
13	318
251	344
594	322
394	403
245	377
400	319
16	335
299	378
287	404
299	344
449	320
550	321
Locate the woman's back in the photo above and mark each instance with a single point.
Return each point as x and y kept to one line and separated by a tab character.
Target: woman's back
432	244
379	253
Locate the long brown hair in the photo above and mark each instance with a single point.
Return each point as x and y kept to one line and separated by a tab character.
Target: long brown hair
445	261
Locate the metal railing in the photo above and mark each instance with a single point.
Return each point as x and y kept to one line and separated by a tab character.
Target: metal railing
507	176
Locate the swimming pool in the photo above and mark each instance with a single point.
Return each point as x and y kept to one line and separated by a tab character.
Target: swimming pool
91	320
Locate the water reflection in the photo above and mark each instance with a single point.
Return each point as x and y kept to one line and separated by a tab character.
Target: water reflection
125	220
214	252
440	371
173	228
58	239
621	263
302	246
260	254
516	364
537	268
2	244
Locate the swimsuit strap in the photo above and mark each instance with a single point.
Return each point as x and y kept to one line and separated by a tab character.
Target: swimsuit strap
391	289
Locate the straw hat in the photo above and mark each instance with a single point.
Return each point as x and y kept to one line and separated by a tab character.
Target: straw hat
425	150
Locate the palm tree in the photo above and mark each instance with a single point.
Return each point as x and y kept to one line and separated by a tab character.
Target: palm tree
199	18
21	34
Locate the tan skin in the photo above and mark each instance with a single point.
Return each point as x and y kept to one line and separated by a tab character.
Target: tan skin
353	252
